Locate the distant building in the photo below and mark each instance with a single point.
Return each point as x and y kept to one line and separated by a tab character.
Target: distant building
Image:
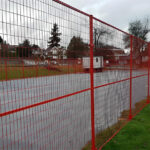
109	53
118	53
55	53
37	52
145	56
11	49
124	60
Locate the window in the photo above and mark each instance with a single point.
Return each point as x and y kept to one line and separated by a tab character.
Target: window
96	59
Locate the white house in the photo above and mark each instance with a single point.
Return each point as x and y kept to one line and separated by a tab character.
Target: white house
37	52
55	53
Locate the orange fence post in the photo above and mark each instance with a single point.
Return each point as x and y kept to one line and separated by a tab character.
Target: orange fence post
131	49
92	83
148	72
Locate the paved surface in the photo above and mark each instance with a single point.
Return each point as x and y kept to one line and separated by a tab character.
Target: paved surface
64	124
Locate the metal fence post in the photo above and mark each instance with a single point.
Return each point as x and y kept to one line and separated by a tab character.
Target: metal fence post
92	84
131	58
148	72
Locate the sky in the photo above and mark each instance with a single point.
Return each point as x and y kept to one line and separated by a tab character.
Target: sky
115	12
34	19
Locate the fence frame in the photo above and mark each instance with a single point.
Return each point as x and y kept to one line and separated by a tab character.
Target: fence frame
92	84
131	49
148	98
93	147
92	87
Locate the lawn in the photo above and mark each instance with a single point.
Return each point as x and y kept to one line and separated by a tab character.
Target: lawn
17	72
127	136
135	135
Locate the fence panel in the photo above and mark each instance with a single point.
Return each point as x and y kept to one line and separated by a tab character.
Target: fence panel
113	83
139	73
45	95
66	77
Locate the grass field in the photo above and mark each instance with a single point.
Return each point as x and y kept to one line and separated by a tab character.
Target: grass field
135	135
131	135
17	72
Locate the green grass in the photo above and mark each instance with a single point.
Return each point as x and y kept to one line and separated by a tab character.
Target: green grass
103	136
135	135
17	72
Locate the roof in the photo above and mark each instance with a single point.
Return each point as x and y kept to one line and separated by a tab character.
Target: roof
118	52
127	57
110	52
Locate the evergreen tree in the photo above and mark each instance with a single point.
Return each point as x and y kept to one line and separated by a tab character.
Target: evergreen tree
26	43
77	48
1	40
54	40
24	49
3	48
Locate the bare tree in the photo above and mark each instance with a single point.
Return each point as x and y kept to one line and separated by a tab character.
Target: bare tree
140	29
98	37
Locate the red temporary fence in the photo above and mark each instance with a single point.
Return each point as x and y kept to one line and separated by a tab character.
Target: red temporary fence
74	94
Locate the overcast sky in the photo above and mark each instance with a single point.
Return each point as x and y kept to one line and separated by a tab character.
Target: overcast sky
116	12
34	19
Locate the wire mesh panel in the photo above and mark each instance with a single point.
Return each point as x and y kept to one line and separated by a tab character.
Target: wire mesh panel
59	125
45	90
112	81
66	77
133	91
139	93
140	58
